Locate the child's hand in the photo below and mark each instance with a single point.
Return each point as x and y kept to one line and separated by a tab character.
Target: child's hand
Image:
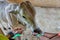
19	30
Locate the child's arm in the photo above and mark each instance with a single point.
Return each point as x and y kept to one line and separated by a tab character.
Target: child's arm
45	3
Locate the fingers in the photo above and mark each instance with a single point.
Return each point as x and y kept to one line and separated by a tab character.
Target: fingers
19	29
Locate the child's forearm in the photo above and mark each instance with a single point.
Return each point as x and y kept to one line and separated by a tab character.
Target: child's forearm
45	3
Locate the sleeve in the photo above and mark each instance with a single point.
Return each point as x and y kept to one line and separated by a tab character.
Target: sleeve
7	10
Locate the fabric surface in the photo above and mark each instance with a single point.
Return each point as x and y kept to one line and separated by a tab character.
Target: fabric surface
48	19
2	37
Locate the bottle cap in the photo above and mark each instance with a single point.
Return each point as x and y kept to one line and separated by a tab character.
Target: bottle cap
16	35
